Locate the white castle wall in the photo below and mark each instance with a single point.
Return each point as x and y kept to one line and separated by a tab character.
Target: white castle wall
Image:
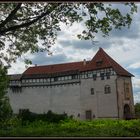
59	99
102	105
72	99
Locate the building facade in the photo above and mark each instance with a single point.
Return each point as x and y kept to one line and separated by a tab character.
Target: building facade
99	88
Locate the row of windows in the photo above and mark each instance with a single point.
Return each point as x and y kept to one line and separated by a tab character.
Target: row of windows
94	76
91	74
107	90
16	89
50	79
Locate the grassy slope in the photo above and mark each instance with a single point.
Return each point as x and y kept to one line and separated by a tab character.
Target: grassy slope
97	128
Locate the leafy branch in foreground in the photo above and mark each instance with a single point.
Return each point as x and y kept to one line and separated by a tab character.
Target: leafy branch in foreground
24	25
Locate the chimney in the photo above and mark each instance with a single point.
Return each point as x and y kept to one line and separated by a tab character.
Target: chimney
35	65
84	62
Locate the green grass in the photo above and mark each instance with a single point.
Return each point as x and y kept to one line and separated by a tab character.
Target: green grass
72	128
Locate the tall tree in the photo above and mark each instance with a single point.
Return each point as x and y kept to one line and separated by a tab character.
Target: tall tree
22	25
137	110
5	108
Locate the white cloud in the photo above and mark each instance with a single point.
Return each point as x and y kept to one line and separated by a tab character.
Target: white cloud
17	68
137	97
136	82
135	65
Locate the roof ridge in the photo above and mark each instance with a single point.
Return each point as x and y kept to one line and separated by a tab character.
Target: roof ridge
57	64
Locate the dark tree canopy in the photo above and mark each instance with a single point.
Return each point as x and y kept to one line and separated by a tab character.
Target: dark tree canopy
22	25
137	110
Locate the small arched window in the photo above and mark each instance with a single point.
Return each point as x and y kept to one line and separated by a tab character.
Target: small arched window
107	89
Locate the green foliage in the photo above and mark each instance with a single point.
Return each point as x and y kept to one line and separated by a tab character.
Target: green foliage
137	110
74	128
5	108
10	123
3	81
26	116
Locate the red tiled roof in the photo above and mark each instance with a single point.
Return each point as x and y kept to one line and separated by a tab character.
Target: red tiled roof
107	62
101	55
15	76
56	68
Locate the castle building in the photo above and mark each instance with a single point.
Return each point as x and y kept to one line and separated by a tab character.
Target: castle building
99	88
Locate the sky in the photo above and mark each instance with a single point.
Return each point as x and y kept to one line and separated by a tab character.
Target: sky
122	45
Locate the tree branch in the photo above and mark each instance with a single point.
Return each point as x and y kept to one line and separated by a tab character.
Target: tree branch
11	15
27	24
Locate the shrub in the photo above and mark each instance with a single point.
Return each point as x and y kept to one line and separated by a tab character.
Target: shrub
27	116
5	109
137	110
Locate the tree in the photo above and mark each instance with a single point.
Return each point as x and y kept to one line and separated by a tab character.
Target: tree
22	25
5	108
137	110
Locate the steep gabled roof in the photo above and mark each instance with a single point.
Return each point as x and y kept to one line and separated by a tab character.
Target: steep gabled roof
106	62
101	57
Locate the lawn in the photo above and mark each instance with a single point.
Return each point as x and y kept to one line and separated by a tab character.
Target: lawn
71	128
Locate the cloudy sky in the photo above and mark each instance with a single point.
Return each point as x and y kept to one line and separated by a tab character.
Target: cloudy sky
122	45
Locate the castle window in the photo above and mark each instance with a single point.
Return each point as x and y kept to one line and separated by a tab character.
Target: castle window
59	78
94	76
52	79
66	77
86	75
37	80
82	76
90	75
102	76
108	75
48	80
107	89
56	79
99	63
92	91
16	89
74	76
69	77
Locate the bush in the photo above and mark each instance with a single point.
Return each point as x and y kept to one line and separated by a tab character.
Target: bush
5	109
137	110
25	115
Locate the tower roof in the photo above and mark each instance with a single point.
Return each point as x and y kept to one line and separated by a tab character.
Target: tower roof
99	61
103	60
